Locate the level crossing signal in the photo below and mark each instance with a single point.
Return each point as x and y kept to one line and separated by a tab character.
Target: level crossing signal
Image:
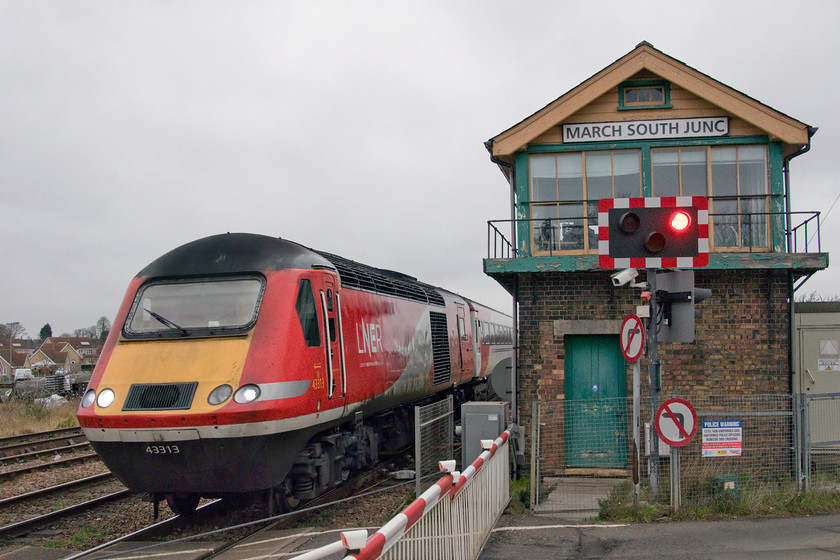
676	297
653	232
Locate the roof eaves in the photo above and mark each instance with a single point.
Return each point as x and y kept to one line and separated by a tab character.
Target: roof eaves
646	57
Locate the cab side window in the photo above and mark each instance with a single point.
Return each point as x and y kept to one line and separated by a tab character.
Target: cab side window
307	314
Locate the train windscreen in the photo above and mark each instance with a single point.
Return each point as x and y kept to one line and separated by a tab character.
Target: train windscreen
203	307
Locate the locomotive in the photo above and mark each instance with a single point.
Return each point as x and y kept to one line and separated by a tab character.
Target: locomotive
243	363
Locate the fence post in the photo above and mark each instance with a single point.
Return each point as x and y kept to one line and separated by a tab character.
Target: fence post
535	442
806	440
676	492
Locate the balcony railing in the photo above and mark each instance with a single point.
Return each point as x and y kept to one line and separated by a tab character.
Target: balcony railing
728	232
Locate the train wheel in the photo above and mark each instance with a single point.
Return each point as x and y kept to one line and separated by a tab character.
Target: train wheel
183	504
284	497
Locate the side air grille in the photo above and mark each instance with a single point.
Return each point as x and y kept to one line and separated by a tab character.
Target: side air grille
381	281
160	396
440	347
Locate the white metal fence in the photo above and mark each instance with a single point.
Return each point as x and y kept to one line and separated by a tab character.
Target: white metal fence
449	521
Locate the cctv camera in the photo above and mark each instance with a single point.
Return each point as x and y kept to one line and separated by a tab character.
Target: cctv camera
624	277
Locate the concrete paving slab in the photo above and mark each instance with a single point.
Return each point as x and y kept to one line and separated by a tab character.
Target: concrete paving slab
267	544
177	551
33	553
576	498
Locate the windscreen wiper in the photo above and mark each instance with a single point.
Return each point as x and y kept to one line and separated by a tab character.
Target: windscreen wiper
163	320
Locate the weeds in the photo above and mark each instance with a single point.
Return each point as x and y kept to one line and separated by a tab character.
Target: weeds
27	416
520	496
751	500
84	538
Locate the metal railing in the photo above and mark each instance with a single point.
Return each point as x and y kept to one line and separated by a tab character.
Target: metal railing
746	447
451	520
434	429
820	427
728	231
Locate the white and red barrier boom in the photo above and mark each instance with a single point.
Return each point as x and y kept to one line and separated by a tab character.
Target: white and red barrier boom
392	531
452	484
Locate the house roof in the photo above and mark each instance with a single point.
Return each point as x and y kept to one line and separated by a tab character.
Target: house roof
77	342
18	359
54	351
791	132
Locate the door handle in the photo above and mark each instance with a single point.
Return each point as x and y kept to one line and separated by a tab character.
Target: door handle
808	371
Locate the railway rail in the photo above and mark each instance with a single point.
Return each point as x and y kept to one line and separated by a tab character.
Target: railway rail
27	525
201	536
29	450
23	443
234	541
45	466
5	502
117	505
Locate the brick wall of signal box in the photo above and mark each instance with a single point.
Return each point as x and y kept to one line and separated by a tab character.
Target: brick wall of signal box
742	339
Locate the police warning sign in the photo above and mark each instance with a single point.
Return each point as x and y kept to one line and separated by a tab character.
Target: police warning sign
722	438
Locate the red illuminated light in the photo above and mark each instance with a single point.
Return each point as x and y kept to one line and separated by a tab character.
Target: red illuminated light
680	221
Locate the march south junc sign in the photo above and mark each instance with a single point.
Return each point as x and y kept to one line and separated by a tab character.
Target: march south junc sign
646	130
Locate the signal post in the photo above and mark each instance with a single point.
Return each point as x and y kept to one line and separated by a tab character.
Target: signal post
654	233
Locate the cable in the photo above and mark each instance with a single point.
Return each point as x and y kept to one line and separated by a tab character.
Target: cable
822	222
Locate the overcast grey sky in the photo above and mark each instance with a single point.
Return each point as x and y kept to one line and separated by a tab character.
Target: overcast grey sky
357	127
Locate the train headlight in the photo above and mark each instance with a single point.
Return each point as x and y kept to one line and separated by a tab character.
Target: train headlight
247	394
88	399
105	398
220	394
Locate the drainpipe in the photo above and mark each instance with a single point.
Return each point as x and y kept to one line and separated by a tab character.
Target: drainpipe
514	385
801	476
789	241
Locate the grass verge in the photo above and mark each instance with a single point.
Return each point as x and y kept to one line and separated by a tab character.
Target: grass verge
19	417
750	501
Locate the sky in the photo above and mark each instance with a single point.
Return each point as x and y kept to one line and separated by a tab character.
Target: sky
355	127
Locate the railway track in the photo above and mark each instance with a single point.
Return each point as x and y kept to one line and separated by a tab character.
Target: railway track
34	514
82	482
25	443
63	447
26	526
200	537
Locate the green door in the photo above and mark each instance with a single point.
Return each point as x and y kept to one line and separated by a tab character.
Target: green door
596	407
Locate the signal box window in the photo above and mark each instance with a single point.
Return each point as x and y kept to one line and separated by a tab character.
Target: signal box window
735	180
307	314
643	95
741	201
565	189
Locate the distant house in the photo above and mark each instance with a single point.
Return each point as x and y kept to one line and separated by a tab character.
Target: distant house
14	356
72	354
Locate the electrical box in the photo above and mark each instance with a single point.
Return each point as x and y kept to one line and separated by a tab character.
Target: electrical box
480	420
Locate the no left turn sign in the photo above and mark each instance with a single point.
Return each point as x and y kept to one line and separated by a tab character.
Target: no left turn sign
676	422
632	338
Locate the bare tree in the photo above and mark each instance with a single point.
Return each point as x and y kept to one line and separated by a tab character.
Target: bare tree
87	332
12	330
103	327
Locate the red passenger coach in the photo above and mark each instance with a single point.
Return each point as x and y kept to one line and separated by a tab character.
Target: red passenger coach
243	363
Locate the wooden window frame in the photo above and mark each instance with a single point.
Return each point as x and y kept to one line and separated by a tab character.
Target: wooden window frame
623	105
586	220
